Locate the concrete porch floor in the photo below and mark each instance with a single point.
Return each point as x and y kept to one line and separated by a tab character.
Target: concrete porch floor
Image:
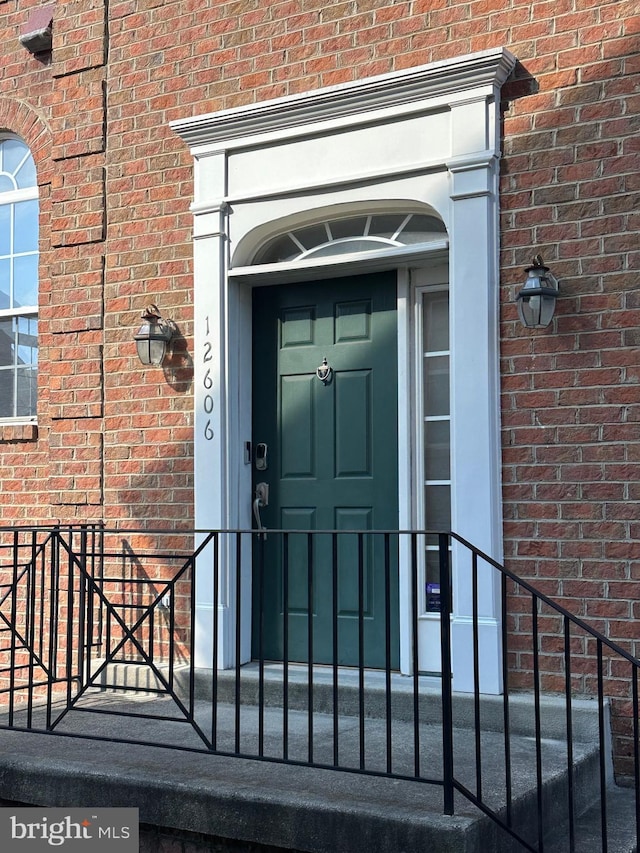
253	802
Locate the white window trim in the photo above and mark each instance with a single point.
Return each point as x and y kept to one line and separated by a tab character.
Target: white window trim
15	196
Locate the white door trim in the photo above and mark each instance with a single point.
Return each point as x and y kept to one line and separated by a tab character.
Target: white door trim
428	136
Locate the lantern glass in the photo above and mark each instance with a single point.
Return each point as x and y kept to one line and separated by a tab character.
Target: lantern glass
151	342
537	299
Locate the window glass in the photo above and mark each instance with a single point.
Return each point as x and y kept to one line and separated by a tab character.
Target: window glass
27	340
19	213
13	154
281	249
421	228
387	224
6	393
436	323
25	280
26	227
438	499
352	234
6	211
353	227
6	341
437	450
5	283
26	391
341	246
26	174
312	236
436	385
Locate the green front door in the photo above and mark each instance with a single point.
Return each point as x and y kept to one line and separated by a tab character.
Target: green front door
327	449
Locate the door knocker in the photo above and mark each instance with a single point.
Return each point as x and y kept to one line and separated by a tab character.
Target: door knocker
324	372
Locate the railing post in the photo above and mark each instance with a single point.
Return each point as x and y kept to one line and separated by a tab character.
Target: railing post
636	747
83	643
447	698
54	583
14	623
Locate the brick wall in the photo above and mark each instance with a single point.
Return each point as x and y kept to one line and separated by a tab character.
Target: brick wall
114	441
118	184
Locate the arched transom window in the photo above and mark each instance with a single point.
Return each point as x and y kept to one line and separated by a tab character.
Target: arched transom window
363	233
18	280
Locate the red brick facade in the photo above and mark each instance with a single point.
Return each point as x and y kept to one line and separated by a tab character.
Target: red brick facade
114	441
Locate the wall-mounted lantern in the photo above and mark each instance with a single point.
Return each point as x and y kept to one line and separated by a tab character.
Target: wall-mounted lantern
153	336
537	299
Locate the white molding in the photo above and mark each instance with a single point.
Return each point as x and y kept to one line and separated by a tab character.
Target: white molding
365	261
347	102
418	167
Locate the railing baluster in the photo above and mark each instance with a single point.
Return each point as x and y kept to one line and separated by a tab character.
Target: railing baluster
415	662
361	647
261	608
89	609
53	622
602	754
569	715
505	703
447	697
334	633
476	673
106	609
30	626
215	650
101	608
310	644
70	619
170	595
238	650
387	647
171	650
82	603
14	620
285	646
43	603
152	631
538	726
636	747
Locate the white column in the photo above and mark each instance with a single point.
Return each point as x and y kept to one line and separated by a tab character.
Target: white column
475	451
211	472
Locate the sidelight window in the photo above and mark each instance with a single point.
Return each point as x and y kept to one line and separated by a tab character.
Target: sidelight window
436	418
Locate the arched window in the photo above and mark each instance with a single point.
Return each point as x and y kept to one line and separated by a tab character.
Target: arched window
363	233
19	209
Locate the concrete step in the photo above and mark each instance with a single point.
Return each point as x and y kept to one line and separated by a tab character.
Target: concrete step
287	806
260	800
621	824
521	705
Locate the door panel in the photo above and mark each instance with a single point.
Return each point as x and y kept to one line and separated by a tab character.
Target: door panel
332	464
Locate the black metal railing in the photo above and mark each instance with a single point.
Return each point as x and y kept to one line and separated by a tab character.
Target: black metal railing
89	616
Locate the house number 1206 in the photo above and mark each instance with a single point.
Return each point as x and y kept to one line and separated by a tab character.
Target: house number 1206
208	385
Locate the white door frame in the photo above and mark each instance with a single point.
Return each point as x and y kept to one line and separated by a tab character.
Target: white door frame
422	136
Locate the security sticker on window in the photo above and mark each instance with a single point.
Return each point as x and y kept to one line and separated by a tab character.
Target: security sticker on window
104	830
